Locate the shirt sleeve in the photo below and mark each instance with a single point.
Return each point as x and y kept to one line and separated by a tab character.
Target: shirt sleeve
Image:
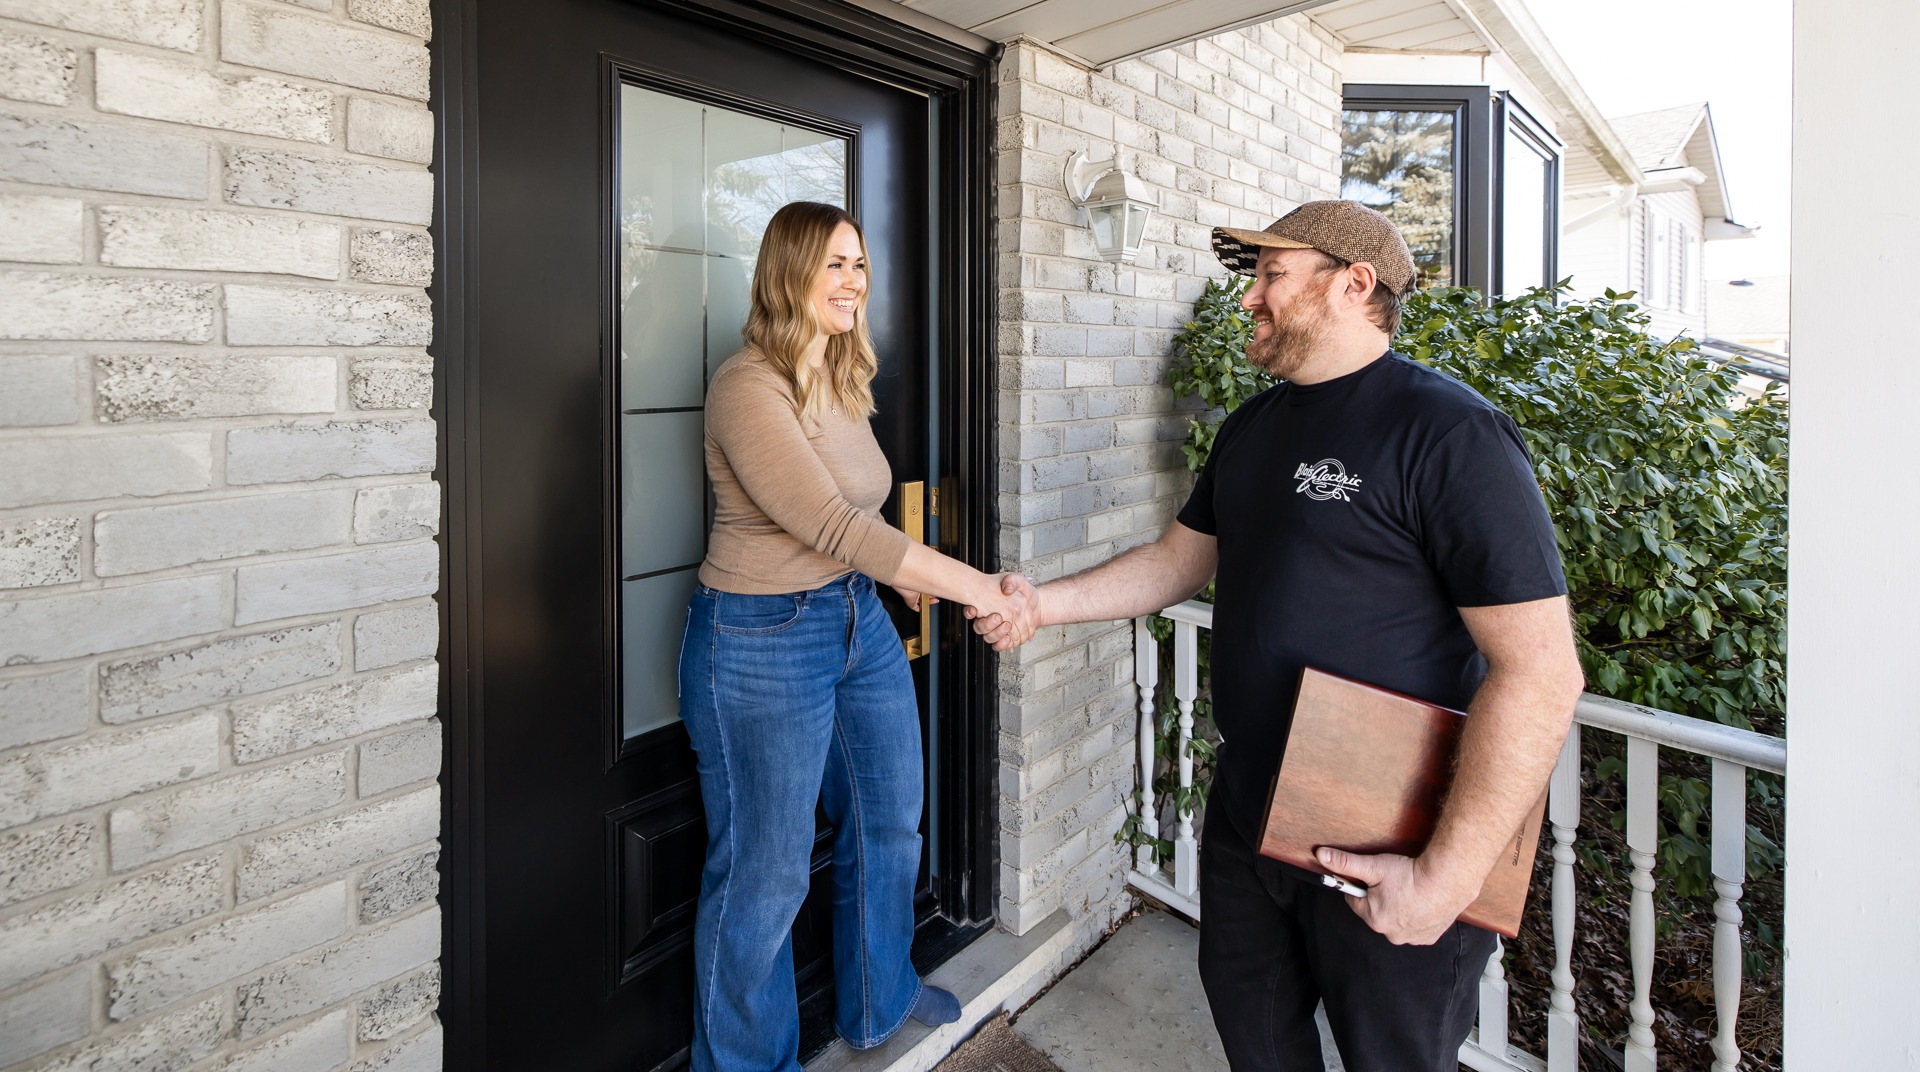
753	422
1198	514
1484	525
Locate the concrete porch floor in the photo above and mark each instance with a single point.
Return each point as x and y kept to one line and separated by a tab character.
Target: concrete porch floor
1135	1005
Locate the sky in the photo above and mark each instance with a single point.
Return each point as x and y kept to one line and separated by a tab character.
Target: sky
1641	55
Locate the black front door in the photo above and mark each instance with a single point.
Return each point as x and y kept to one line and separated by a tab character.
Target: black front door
610	168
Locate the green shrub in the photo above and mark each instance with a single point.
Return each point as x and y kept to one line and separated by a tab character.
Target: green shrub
1668	499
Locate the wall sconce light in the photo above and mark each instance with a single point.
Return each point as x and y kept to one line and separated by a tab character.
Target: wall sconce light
1118	205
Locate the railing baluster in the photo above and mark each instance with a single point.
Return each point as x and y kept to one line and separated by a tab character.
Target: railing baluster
1643	805
1563	813
1733	751
1729	875
1493	1002
1186	686
1146	675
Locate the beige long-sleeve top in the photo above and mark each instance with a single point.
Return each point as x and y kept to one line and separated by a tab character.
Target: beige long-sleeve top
795	504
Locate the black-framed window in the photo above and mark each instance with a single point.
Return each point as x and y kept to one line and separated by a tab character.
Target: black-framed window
1529	199
1469	175
1421	154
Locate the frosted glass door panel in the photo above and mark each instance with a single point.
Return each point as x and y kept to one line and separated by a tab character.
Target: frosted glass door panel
653	615
746	182
727	305
663	491
816	167
662	329
697	186
662	171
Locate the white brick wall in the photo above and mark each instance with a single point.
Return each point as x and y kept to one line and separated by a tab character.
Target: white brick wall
1234	130
218	815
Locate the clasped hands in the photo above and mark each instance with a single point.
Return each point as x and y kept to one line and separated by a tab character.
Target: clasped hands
1008	621
1005	611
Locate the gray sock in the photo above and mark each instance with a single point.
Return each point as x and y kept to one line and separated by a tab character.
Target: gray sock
936	1006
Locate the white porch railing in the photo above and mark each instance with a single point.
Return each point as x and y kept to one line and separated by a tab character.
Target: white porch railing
1733	751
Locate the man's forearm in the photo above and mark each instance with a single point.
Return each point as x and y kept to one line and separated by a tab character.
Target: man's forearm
1512	737
1140	581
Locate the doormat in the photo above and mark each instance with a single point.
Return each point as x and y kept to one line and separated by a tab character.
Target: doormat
995	1048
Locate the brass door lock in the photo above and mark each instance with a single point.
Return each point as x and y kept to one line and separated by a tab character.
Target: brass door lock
913	522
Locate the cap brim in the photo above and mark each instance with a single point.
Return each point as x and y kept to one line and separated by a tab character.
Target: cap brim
1239	250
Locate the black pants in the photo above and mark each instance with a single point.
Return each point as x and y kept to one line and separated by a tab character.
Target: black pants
1274	943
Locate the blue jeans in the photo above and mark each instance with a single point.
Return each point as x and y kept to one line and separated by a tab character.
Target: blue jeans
792	699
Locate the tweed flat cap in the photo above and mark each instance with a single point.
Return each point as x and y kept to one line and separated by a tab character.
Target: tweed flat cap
1348	230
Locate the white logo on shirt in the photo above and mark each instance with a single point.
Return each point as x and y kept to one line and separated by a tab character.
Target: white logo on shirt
1326	479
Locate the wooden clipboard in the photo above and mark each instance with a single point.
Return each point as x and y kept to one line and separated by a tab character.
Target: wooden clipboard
1366	771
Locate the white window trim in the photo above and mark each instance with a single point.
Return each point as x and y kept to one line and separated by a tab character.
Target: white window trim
1690	284
1657	260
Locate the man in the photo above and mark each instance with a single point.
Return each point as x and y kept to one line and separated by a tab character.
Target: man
1376	519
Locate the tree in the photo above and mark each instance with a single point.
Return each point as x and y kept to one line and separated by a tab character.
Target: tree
1401	163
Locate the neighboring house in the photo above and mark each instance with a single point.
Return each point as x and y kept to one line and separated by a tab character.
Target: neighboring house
1647	236
1464	124
1747	328
352	359
1751	312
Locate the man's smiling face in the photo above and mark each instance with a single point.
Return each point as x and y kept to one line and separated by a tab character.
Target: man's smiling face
1292	306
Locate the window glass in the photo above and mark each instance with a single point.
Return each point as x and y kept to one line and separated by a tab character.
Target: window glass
1689	265
1659	260
697	186
1526	181
1401	161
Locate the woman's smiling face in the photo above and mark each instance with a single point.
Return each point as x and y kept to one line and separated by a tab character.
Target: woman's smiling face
841	288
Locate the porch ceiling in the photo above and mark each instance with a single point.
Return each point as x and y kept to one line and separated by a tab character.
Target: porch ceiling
1424	26
1100	32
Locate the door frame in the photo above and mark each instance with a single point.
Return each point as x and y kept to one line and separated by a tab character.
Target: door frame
959	82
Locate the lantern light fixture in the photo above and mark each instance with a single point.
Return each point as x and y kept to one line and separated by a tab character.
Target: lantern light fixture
1118	205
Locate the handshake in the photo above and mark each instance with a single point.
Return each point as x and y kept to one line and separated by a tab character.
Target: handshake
1005	610
1010	619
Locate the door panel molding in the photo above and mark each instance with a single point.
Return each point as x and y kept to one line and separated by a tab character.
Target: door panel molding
644	838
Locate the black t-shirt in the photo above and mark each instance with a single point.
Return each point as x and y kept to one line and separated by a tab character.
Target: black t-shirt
1354	517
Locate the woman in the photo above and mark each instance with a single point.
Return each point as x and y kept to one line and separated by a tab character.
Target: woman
793	683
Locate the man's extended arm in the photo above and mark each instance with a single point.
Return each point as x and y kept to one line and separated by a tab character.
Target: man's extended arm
1512	736
1140	581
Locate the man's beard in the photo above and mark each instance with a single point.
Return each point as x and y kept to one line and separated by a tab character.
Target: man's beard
1294	337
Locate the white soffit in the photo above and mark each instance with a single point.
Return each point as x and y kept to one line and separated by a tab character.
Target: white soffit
1100	32
1424	26
1582	170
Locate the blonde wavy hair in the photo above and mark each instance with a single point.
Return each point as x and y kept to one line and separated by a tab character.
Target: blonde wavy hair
782	321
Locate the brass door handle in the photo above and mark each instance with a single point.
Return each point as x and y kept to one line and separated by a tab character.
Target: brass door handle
913	522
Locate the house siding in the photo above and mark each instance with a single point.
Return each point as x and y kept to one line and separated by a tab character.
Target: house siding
1591	256
1233	130
1669	318
218	816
